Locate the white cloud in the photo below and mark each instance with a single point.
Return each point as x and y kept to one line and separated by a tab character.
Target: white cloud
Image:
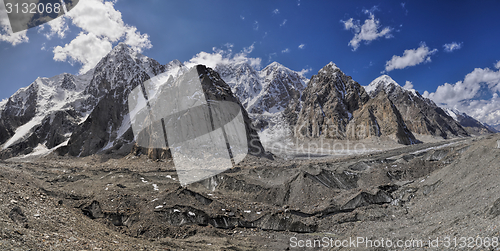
220	56
285	50
101	26
408	85
57	26
6	34
284	22
452	46
367	32
276	11
471	95
497	65
136	40
86	49
99	18
301	46
303	72
410	58
242	17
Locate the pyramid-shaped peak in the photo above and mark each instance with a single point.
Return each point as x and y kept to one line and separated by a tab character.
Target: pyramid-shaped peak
275	65
384	81
121	53
331	65
122	46
174	63
122	50
330	68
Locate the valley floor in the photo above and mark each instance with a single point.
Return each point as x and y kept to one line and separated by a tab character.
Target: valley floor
430	191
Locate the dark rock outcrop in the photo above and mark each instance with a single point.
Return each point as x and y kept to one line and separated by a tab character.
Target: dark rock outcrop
421	115
471	125
379	117
329	101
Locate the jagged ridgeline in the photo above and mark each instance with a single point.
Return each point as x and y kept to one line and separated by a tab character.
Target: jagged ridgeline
335	106
87	114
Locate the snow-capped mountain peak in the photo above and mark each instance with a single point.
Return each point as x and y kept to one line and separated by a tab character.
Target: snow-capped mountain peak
452	113
268	90
275	65
470	124
384	81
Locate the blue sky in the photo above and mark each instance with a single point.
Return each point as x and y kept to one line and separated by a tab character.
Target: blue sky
428	43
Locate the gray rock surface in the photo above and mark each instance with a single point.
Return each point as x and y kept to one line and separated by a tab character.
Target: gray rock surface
328	103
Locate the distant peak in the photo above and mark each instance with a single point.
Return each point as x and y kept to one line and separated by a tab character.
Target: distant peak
275	64
385	81
332	64
175	62
122	48
330	67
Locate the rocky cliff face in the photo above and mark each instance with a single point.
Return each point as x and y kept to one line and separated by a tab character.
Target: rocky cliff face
88	114
216	89
379	117
334	106
421	115
42	115
472	126
269	90
107	125
328	103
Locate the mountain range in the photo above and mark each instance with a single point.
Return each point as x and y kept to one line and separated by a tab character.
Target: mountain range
87	114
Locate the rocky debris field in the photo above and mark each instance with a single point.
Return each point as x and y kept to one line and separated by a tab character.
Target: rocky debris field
105	202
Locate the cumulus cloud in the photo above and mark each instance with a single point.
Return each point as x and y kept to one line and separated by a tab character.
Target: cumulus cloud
100	24
285	50
410	58
225	56
301	46
369	31
6	34
452	46
86	49
284	22
497	65
303	72
476	95
408	85
58	26
276	11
